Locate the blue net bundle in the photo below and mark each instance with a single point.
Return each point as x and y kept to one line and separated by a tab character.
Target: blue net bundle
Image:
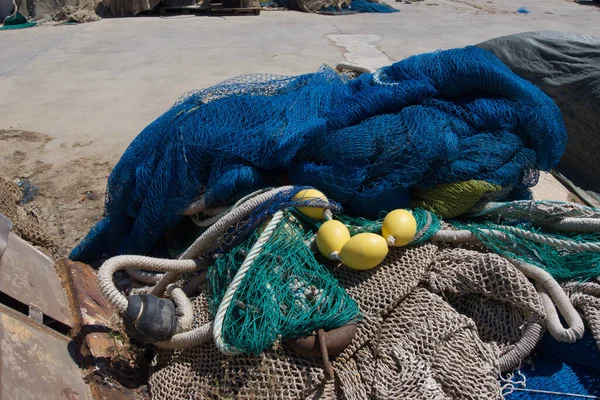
360	6
559	371
368	143
332	7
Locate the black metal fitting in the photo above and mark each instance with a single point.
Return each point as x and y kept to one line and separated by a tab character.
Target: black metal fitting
150	319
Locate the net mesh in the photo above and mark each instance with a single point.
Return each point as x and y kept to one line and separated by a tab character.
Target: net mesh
367	143
286	294
586	297
23	224
405	347
563	263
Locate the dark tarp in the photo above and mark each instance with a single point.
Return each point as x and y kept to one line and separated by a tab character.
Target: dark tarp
567	67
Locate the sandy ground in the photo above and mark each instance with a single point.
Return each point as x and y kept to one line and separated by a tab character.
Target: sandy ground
70	195
89	89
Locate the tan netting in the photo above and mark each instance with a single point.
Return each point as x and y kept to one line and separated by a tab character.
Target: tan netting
411	344
24	225
586	297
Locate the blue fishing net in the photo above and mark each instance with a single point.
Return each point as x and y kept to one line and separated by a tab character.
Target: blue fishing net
434	118
561	371
348	7
362	6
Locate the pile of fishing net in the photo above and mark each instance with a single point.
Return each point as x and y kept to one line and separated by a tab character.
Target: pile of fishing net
440	318
25	224
201	210
333	6
442	130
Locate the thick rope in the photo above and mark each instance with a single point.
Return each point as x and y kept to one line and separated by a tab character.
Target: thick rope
114	264
523	348
215	232
558	243
204	223
171	276
535	209
188	339
196	207
423	230
183	307
462	236
544	280
237	280
575	225
209	239
221	212
553	294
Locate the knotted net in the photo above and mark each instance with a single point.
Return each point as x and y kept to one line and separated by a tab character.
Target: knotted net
410	344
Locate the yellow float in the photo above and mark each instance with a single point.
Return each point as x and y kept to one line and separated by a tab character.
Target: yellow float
399	228
331	237
364	251
316	213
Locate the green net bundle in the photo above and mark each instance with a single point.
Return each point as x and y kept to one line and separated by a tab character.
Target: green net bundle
287	293
575	260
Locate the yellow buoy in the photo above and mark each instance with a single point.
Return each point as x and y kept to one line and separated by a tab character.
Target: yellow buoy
316	213
331	237
399	227
364	251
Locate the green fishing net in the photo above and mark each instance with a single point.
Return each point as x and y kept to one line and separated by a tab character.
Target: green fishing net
562	263
287	292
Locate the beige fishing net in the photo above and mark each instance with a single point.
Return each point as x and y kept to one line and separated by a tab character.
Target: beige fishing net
439	322
24	224
586	297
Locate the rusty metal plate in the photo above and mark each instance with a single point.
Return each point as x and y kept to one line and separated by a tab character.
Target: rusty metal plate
28	276
93	307
36	362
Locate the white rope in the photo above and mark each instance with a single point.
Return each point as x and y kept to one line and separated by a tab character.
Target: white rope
183	308
203	223
550	291
531	336
335	256
196	207
553	294
574	225
208	240
460	236
558	243
237	280
188	339
390	240
114	264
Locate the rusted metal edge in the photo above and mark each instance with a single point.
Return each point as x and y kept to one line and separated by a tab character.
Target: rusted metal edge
78	333
64	268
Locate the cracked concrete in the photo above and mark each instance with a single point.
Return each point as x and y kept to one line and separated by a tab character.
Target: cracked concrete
101	83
